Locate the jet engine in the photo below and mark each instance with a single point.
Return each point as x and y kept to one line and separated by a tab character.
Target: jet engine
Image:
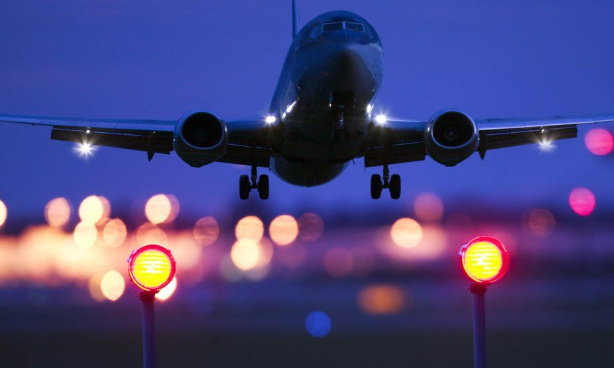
450	137
200	138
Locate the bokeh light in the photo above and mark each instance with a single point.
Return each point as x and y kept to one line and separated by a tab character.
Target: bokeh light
599	141
381	299
318	324
206	231
166	292
3	213
94	209
249	227
161	209
151	267
114	233
406	233
541	222
283	230
112	285
311	227
246	254
151	234
428	207
582	201
338	262
57	212
94	288
85	234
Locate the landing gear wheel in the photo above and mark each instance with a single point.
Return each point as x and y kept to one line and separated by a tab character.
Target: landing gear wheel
376	186
263	187
244	187
395	186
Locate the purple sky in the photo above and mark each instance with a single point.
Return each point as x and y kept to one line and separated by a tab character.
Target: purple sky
155	59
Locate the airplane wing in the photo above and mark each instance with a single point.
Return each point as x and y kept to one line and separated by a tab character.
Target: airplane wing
247	138
403	140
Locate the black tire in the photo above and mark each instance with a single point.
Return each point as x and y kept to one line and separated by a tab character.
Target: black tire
395	186
376	186
244	187
263	187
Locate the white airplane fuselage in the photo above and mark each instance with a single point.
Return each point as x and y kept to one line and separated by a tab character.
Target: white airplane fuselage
323	100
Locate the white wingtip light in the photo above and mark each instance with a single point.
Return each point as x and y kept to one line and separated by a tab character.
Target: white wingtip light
381	119
546	146
85	149
270	119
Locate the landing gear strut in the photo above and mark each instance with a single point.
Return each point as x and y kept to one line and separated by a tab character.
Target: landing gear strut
246	184
390	182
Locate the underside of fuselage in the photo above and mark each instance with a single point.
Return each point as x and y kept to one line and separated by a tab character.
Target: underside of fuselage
323	99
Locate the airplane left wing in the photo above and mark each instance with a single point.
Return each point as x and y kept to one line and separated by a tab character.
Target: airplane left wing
246	143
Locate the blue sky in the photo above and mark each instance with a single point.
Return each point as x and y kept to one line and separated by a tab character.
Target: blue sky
155	59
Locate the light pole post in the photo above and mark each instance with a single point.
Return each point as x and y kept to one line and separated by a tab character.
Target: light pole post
151	268
149	329
484	260
479	325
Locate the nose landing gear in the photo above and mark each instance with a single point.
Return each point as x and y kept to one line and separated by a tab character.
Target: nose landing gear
390	182
246	184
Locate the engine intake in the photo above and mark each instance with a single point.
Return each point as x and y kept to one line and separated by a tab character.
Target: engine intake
451	137
200	138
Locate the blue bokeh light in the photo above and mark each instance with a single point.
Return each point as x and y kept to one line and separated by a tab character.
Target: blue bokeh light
318	324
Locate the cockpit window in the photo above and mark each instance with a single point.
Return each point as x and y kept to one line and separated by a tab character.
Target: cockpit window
338	26
329	27
357	27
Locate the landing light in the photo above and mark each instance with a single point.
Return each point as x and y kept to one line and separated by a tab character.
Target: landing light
270	119
381	119
484	259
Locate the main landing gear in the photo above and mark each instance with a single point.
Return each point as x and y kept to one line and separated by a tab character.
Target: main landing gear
391	182
246	184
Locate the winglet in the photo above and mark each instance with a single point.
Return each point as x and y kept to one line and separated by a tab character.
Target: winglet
294	19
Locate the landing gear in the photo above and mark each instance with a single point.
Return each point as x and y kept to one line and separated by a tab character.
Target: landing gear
246	184
391	182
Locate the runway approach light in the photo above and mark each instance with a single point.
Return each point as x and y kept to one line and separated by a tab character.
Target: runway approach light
151	268
484	259
381	119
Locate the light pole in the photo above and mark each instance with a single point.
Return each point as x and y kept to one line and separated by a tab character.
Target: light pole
485	260
151	268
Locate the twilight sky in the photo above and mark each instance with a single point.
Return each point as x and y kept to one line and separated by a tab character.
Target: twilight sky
159	59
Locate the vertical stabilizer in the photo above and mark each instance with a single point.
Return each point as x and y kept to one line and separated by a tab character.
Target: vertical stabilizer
294	19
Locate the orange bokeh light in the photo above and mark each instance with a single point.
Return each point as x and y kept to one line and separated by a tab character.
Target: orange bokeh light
249	227
3	213
166	292
283	230
406	233
161	209
112	285
206	231
381	299
428	207
57	212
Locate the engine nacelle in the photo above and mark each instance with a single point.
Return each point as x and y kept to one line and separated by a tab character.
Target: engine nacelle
200	138
450	137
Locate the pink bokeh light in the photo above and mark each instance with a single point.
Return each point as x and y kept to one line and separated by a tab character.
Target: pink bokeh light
582	201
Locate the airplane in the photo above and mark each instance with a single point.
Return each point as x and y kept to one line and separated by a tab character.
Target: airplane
321	118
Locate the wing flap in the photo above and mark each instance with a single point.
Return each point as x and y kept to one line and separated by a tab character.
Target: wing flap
152	142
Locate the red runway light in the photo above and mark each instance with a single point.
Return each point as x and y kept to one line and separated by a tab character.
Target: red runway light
151	267
484	259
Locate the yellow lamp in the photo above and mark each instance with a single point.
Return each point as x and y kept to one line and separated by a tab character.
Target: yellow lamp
151	267
484	259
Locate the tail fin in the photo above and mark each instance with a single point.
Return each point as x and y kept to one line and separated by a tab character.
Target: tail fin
294	19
